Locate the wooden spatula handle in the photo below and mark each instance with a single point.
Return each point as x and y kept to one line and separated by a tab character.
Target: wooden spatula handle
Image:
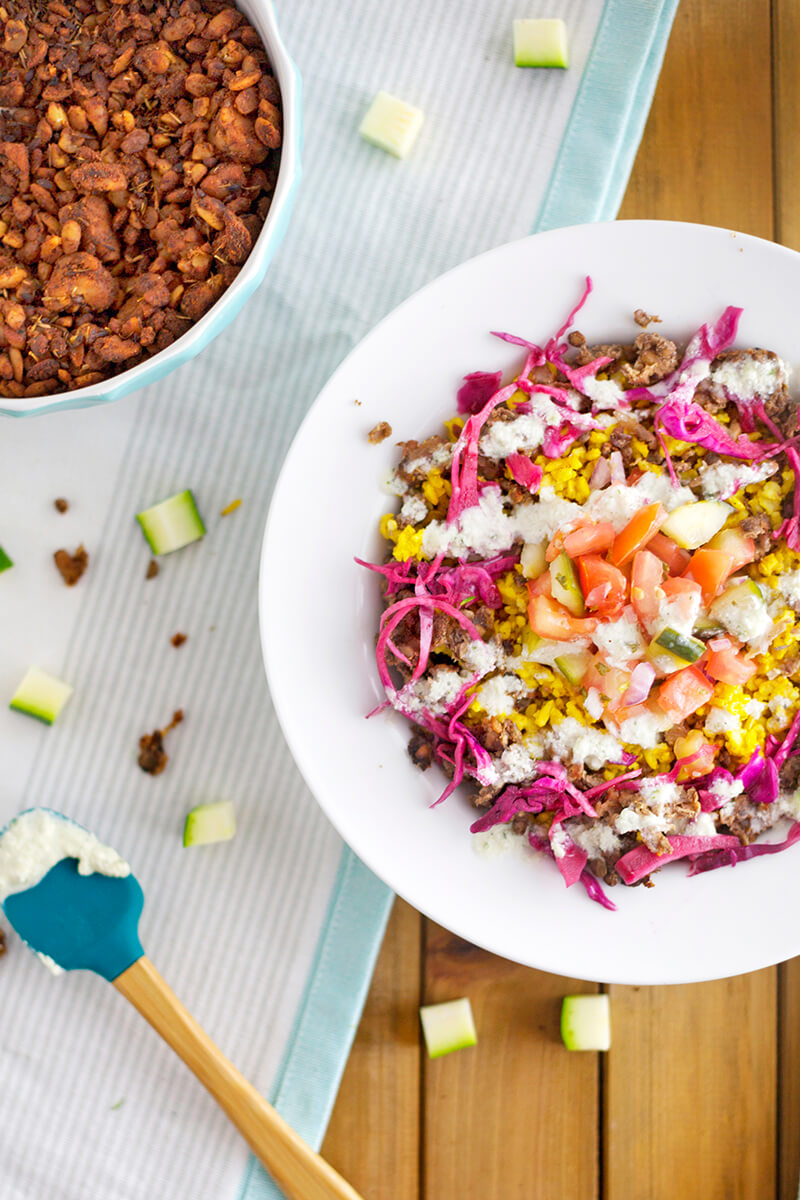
294	1166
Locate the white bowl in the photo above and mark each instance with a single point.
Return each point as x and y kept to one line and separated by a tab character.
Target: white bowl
261	15
319	611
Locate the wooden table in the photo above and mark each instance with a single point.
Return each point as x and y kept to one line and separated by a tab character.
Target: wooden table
700	1094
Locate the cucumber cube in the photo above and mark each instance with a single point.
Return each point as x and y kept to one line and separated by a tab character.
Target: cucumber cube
447	1027
391	124
693	525
172	524
586	1022
40	695
574	666
565	586
540	42
210	823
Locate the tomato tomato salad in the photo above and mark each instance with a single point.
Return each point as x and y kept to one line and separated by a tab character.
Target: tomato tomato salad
592	602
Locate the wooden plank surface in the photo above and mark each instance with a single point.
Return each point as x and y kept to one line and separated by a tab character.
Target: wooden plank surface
706	154
786	43
789	1080
700	1095
690	1091
373	1137
517	1115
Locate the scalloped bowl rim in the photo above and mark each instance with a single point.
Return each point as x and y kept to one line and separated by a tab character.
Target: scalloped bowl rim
219	316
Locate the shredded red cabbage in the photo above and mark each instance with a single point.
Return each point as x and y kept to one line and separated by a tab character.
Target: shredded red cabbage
790	529
640	861
689	422
570	859
477	388
595	890
736	854
528	474
464	469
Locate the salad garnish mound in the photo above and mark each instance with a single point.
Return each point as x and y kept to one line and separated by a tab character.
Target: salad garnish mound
592	603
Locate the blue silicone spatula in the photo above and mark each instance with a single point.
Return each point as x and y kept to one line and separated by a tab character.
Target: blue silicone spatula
90	922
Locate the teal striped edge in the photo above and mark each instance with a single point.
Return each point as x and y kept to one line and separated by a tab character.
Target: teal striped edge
308	1080
587	184
609	114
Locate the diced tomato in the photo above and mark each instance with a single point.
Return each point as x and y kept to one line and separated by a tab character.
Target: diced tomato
727	664
602	584
647	593
683	693
710	568
637	533
741	548
669	552
555	546
627	712
611	682
541	586
551	620
680	587
589	539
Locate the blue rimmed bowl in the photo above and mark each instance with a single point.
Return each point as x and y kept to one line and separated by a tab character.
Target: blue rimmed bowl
261	14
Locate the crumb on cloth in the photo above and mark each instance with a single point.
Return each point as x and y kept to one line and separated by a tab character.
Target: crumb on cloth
153	758
178	639
71	566
60	505
152	569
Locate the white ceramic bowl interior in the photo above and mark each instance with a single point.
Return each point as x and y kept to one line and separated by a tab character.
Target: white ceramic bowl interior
261	14
319	611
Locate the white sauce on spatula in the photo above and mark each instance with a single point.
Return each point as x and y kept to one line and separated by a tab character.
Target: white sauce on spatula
38	839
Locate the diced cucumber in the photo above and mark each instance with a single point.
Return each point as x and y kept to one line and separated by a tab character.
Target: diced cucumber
391	124
532	560
707	627
40	695
5	561
172	524
742	610
574	666
447	1027
663	660
692	525
586	1022
735	543
540	42
681	645
565	586
209	823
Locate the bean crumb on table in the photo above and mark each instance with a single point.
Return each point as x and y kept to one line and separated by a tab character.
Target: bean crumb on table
380	433
153	758
178	639
152	569
60	505
3	946
71	566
